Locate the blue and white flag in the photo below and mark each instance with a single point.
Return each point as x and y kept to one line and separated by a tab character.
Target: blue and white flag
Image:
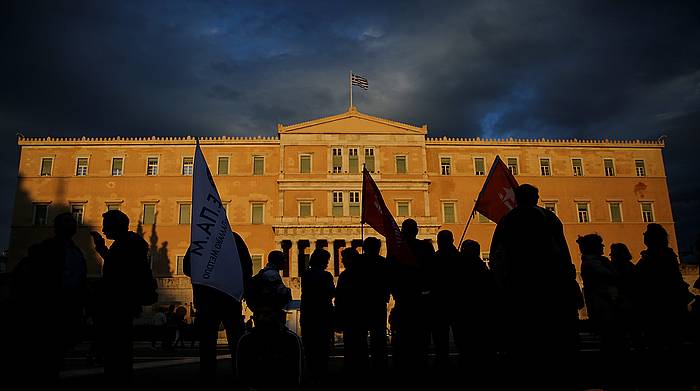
214	257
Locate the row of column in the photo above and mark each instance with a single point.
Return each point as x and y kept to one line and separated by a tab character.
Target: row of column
298	252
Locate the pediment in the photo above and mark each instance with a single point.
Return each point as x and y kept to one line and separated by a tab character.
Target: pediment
352	122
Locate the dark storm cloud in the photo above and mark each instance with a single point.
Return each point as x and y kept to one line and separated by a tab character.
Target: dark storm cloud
490	68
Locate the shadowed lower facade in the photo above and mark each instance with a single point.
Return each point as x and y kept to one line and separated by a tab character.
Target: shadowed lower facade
301	190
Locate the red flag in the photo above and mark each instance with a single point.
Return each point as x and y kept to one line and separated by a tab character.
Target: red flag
497	197
377	215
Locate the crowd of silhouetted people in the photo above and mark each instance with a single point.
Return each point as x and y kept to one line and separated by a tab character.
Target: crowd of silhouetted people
514	320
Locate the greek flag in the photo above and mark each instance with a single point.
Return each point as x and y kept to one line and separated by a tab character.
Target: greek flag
359	81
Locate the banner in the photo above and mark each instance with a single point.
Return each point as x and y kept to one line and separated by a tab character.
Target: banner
377	215
214	257
497	197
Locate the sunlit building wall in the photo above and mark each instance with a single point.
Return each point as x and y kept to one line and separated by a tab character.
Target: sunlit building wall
301	190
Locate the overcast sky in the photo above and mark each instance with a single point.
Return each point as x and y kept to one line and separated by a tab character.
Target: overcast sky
564	69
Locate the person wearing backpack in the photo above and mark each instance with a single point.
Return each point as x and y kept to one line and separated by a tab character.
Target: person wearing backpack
126	281
268	289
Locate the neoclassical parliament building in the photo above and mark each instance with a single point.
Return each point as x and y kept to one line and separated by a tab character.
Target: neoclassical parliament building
301	190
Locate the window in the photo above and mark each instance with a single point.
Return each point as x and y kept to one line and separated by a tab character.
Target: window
445	166
647	212
258	165
401	164
577	166
187	166
149	214
305	209
46	166
41	214
448	212
113	207
481	218
257	212
185	214
305	164
551	206
337	207
117	166
640	168
369	159
354	203
77	210
513	165
609	167
82	167
353	161
615	212
152	167
403	208
257	262
180	268
583	214
479	166
222	166
337	160
545	168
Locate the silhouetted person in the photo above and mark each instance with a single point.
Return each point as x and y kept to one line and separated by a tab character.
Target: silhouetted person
317	292
270	344
410	286
600	289
377	298
533	268
350	302
268	289
270	356
215	307
124	261
445	297
621	260
664	298
43	332
473	290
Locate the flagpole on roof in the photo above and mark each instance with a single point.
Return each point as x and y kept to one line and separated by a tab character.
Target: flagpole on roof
350	85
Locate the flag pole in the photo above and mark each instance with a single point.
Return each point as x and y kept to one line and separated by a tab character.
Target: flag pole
362	205
350	85
459	244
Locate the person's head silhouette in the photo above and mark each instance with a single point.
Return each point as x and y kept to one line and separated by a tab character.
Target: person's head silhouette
350	256
276	259
65	226
655	236
620	252
471	249
591	244
526	195
371	246
319	259
445	240
409	229
115	224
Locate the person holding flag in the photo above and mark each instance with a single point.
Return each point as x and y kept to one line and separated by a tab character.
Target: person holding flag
221	268
537	282
409	259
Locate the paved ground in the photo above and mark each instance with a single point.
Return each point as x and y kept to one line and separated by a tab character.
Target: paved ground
175	369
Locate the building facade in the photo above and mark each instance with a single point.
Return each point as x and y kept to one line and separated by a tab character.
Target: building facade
301	189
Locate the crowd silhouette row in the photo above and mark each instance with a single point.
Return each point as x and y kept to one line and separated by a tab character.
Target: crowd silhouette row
517	314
